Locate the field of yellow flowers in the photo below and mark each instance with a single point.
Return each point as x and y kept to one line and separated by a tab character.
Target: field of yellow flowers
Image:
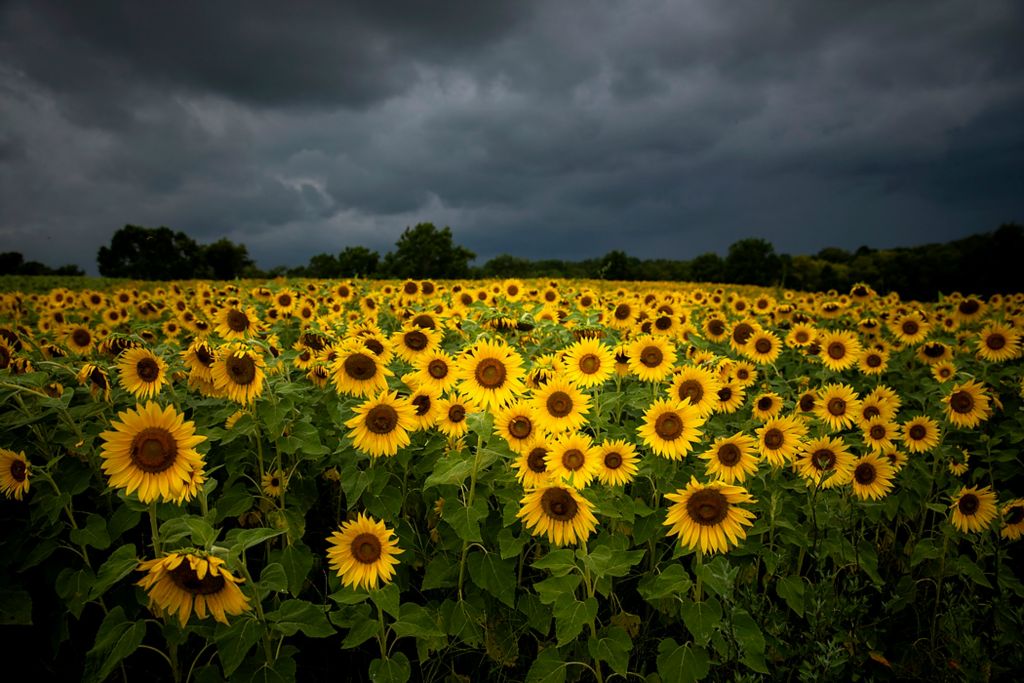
509	480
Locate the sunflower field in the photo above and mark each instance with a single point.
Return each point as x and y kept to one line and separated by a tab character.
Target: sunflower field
509	480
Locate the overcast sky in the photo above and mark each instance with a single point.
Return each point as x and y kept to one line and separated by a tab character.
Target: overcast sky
541	129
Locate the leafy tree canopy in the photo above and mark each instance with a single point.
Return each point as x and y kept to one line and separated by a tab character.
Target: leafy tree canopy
425	251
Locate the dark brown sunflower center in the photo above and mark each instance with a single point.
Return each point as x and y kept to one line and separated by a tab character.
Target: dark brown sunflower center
865	474
836	406
381	419
237	321
622	312
416	340
871	412
874	360
559	505
98	378
917	432
707	507
669	426
241	369
589	364
764	403
490	373
18	470
651	356
969	306
995	341
559	404
204	356
1015	515
877	432
284	300
968	504
275	482
375	346
773	438
725	394
359	366
153	450
806	403
691	389
520	427
535	460
801	337
573	459
663	322
81	337
366	548
763	345
910	327
422	403
729	454
186	578
410	288
456	413
147	369
934	350
823	459
716	327
613	460
424	320
437	369
961	402
836	350
742	333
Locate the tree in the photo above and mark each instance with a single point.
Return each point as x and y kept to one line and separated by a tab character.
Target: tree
707	268
225	260
150	254
425	251
358	262
505	265
616	265
753	261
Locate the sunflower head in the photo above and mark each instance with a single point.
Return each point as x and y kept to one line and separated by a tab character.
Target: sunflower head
708	517
558	512
14	474
973	508
185	582
363	552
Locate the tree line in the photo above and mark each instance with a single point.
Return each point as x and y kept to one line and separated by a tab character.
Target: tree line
984	264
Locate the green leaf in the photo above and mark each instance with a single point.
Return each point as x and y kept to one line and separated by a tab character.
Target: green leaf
246	539
751	640
673	581
701	618
120	564
973	572
416	621
571	616
612	645
234	642
394	669
441	573
273	578
123	519
558	562
494	575
74	587
718	576
453	469
297	561
509	545
466	520
682	663
387	598
116	638
298	615
791	589
868	560
537	615
551	589
203	535
360	632
547	667
603	561
94	533
924	550
15	607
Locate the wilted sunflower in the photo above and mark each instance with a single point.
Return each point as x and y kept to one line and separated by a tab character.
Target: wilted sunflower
185	582
588	363
97	380
766	406
199	358
559	406
974	508
872	476
839	349
14	474
617	462
1013	520
558	512
141	373
697	385
780	438
998	343
732	459
363	552
381	425
708	516
670	428
151	450
572	459
451	416
490	374
967	405
237	372
357	372
651	358
837	406
921	434
825	462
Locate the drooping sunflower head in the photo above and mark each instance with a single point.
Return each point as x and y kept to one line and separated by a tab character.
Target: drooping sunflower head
381	424
183	583
708	517
14	474
491	374
671	428
96	379
973	509
1013	520
558	512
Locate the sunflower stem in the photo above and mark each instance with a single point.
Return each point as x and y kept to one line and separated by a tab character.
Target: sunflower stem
382	634
469	504
938	585
154	529
698	590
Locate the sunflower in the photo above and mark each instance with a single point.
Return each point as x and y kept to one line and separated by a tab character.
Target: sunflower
151	450
185	582
732	459
14	474
873	362
559	406
766	406
921	434
273	483
944	371
1013	520
670	428
708	516
763	347
622	316
357	372
588	363
141	373
381	425
974	509
572	459
837	406
968	405
531	464
451	416
740	334
79	339
879	434
285	302
839	349
414	341
238	373
715	329
872	476
436	369
698	386
490	374
363	552
780	438
800	335
998	343
651	358
558	512
517	426
199	359
825	462
911	328
744	373
617	462
426	402
235	322
729	398
934	352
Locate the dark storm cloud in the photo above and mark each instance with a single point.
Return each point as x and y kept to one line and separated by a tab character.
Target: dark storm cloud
539	129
